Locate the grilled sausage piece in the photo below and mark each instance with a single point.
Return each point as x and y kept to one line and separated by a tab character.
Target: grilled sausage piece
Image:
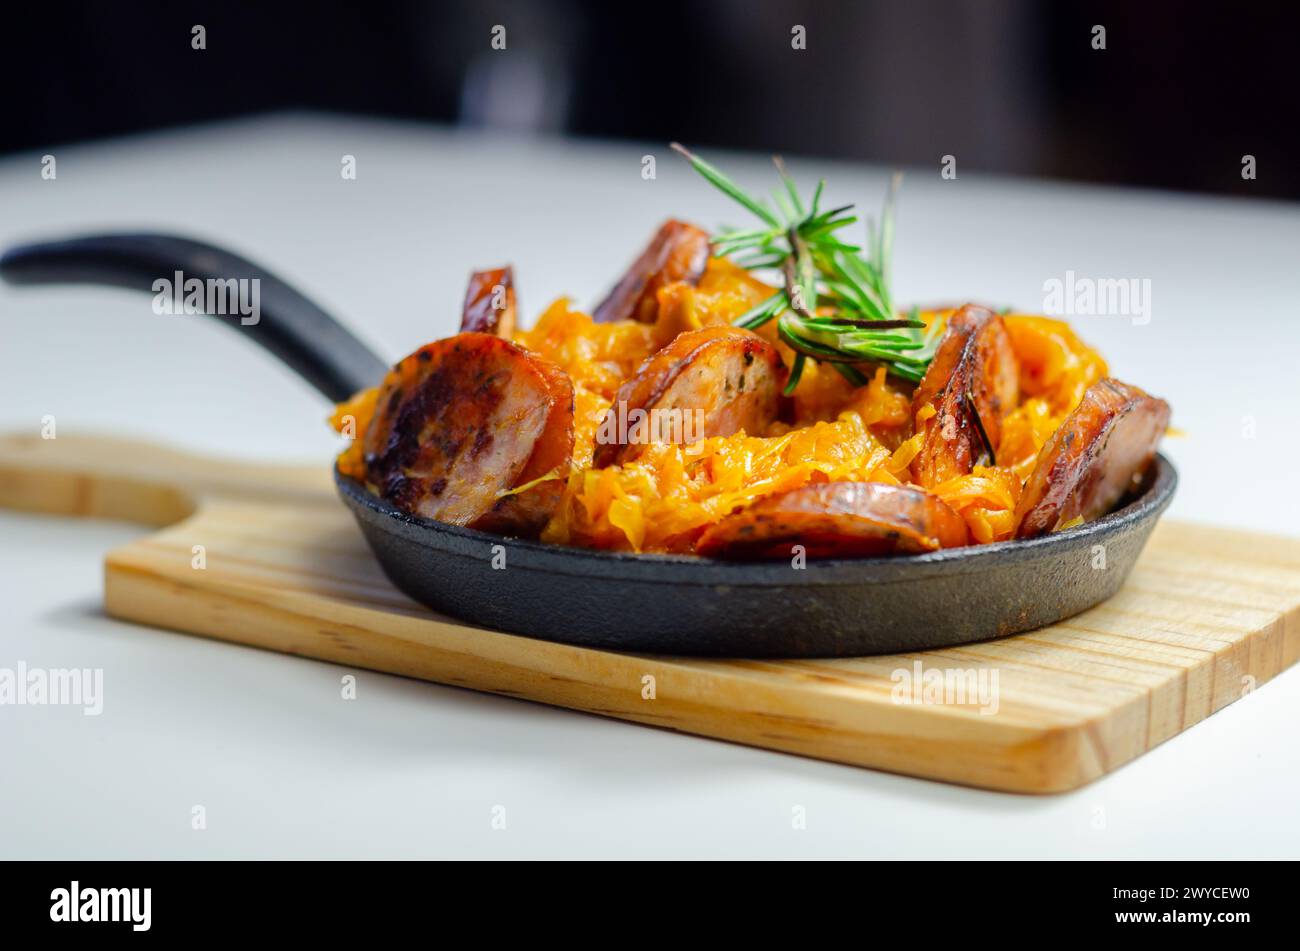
837	520
1094	457
490	303
462	421
678	252
972	383
711	382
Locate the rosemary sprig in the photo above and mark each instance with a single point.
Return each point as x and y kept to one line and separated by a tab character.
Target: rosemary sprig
834	304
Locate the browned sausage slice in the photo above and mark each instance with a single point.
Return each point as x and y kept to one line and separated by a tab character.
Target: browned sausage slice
462	421
490	303
678	252
1093	458
528	511
972	383
711	382
837	520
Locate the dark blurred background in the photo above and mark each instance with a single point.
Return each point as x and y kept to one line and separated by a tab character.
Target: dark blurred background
1179	94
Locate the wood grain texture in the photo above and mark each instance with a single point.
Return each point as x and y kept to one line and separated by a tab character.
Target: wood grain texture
1207	615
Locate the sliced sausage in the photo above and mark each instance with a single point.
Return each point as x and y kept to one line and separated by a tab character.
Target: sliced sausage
711	382
490	303
837	520
1094	457
462	421
678	252
971	384
527	512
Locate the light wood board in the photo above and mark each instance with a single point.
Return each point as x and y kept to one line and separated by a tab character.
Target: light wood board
1208	615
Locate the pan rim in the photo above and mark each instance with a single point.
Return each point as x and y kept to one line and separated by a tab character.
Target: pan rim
1150	502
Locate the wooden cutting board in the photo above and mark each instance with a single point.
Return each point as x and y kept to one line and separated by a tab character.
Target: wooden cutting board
1208	615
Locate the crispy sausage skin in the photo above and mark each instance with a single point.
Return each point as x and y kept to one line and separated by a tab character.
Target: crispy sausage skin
837	520
526	513
973	381
1097	454
462	421
711	382
678	252
490	303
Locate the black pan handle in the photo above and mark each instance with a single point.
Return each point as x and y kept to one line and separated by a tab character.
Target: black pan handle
305	338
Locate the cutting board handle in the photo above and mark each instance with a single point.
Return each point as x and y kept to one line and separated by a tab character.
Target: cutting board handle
267	311
136	481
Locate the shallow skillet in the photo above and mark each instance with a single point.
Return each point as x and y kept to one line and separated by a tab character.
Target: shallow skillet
650	603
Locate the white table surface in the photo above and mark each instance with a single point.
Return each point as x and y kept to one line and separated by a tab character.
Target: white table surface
285	768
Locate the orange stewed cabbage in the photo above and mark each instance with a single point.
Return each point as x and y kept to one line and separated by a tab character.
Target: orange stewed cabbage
664	499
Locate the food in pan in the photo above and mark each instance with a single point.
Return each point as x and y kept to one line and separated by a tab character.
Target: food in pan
740	394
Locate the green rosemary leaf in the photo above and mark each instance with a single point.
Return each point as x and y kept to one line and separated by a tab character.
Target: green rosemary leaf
796	373
783	205
762	313
790	188
789	329
736	234
835	304
727	185
761	262
834	244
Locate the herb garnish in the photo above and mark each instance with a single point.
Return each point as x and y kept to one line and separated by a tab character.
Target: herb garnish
834	305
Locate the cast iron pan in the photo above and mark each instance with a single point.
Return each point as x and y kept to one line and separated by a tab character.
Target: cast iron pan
650	603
